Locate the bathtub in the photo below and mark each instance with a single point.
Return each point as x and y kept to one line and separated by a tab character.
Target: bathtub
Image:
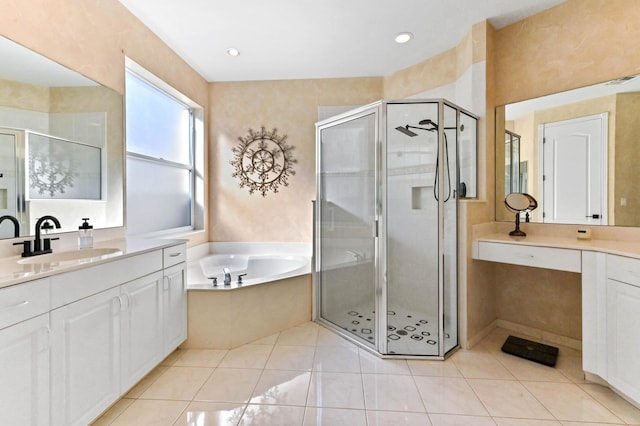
254	269
273	296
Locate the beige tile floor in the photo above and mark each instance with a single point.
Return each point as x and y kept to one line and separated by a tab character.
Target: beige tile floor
309	376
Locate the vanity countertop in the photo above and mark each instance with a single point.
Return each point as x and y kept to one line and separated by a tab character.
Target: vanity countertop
12	272
621	248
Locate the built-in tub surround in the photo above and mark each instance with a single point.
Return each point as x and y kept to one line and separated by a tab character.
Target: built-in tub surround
223	317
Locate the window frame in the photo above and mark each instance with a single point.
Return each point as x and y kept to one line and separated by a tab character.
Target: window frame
164	88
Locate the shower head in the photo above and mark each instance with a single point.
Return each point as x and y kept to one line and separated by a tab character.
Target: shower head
428	122
406	131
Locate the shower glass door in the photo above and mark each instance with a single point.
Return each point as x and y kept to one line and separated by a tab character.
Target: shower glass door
347	216
411	233
454	126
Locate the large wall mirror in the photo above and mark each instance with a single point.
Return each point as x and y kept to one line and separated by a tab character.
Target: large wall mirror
61	144
577	154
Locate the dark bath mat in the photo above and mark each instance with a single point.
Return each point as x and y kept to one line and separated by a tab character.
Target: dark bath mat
533	351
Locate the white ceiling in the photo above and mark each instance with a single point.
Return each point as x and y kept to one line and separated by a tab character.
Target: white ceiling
299	39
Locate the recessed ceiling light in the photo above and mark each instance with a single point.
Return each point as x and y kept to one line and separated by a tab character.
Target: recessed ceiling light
232	51
403	37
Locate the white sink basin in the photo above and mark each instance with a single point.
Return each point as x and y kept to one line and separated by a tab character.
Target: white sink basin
82	255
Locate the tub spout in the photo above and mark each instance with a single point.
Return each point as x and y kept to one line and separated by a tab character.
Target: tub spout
227	276
357	256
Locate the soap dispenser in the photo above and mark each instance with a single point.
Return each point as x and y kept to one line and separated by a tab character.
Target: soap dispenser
85	234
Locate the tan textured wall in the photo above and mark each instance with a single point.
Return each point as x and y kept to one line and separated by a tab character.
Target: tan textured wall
290	106
540	298
578	43
24	96
627	153
93	37
479	301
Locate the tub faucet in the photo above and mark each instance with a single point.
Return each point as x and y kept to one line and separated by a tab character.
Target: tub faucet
227	276
357	256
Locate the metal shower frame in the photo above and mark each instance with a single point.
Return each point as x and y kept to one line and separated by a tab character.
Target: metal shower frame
380	347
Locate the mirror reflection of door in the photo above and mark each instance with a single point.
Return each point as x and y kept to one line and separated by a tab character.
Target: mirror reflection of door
7	181
512	163
573	171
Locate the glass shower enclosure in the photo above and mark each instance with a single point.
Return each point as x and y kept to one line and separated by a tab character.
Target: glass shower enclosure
389	177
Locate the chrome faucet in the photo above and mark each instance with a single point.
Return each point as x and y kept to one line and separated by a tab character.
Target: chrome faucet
227	276
16	224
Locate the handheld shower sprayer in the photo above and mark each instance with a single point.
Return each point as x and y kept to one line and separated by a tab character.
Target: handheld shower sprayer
433	127
428	122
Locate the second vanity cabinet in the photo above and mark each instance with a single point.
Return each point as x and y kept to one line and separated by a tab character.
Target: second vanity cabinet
610	304
623	324
73	343
611	320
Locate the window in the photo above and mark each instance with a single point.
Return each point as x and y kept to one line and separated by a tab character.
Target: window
162	135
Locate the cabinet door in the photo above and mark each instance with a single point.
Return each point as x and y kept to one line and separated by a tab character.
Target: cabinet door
141	327
175	306
594	313
623	324
24	372
85	355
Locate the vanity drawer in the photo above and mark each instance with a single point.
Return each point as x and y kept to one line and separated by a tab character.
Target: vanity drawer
23	301
537	257
72	286
624	269
174	255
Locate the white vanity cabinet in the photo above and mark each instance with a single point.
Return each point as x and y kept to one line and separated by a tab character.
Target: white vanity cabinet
175	297
110	327
623	325
85	358
24	354
526	255
594	313
141	318
175	307
97	311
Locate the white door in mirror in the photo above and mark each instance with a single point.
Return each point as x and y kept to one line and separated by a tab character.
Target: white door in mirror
574	171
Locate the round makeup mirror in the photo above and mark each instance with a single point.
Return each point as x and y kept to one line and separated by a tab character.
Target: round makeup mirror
518	202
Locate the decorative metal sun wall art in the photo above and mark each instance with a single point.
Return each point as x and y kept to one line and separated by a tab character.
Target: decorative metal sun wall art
263	161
